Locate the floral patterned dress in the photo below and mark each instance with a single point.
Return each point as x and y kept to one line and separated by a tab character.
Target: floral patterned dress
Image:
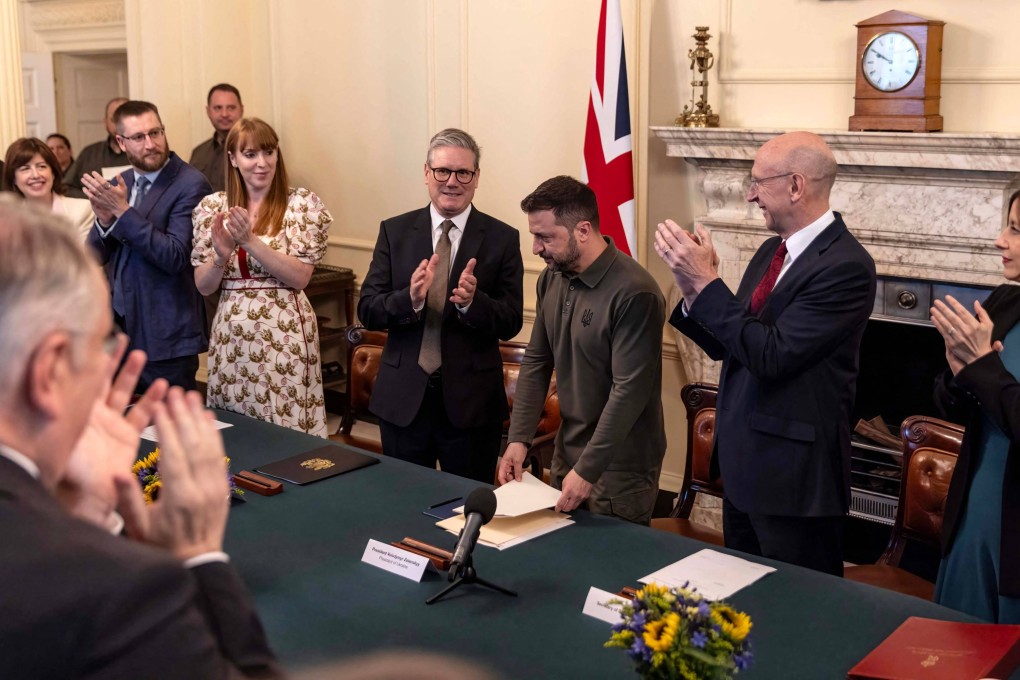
264	344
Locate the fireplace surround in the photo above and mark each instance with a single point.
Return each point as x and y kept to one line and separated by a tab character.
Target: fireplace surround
926	206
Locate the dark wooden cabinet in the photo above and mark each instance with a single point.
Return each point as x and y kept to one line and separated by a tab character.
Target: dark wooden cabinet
331	292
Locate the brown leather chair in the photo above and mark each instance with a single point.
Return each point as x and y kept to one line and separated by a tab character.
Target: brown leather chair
699	401
363	356
540	454
930	447
364	352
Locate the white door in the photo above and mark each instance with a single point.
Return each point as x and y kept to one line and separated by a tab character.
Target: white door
37	81
85	83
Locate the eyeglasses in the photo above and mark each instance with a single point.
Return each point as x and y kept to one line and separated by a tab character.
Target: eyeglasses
155	134
111	340
443	174
756	182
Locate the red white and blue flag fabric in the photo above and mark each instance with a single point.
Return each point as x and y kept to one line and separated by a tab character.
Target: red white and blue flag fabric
608	167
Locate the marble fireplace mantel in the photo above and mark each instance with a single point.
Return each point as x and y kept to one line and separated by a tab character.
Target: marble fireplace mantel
924	205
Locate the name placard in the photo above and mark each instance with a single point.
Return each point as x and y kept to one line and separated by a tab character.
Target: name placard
598	605
395	560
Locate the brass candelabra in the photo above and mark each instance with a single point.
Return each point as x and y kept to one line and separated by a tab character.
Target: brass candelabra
699	112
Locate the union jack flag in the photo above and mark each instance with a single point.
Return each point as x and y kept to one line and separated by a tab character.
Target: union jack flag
608	168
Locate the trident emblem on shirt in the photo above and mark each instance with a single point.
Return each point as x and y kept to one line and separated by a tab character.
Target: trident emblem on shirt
586	318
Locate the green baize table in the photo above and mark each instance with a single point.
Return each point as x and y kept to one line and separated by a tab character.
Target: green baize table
299	553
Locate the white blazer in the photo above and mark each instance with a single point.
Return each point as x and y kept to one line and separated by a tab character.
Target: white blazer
77	210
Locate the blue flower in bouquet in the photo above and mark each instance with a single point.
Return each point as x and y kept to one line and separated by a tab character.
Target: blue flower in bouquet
677	633
147	471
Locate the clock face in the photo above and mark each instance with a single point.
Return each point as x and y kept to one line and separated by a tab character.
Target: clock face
890	61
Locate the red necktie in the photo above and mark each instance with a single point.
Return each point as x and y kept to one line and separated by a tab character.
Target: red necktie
768	282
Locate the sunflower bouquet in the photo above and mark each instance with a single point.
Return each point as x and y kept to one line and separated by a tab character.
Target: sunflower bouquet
675	633
147	471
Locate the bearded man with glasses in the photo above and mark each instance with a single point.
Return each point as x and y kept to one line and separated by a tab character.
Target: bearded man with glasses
143	235
446	282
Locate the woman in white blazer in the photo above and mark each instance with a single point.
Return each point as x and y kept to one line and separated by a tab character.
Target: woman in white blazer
31	170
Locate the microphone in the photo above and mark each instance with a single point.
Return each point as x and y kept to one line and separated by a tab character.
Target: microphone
478	510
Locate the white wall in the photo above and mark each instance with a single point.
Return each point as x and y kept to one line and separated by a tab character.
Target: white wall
357	87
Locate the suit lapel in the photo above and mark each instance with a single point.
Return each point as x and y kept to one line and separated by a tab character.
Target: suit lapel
470	243
804	264
421	238
161	184
756	269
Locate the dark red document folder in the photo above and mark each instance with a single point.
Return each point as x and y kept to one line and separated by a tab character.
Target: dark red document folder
927	649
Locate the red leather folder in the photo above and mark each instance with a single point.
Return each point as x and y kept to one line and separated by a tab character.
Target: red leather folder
927	649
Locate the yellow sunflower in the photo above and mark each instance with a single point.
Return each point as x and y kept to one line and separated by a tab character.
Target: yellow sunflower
659	635
148	462
149	492
735	625
652	590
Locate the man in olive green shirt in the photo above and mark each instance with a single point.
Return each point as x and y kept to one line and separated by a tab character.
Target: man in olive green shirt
598	323
224	108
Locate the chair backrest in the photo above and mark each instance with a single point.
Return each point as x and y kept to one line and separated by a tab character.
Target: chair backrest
930	447
364	354
699	402
513	354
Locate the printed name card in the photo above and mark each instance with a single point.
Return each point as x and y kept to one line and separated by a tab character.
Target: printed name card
599	605
394	560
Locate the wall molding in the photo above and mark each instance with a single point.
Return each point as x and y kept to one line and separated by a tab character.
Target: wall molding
75	15
730	74
96	25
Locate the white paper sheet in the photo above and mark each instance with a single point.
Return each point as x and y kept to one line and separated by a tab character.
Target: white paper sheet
514	499
150	432
714	574
506	532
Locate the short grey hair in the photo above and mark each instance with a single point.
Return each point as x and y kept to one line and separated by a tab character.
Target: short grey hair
454	137
47	283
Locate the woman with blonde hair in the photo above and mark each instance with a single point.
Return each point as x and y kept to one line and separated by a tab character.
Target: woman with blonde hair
32	171
258	243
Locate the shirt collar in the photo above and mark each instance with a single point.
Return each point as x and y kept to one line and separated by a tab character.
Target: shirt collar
20	460
459	221
597	269
151	176
798	243
218	138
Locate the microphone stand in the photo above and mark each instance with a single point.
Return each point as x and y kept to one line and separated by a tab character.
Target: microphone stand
467	574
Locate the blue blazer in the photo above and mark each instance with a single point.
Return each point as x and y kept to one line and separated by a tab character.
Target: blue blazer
789	375
473	389
147	257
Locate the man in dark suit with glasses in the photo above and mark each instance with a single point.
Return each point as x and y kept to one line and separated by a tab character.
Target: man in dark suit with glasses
446	283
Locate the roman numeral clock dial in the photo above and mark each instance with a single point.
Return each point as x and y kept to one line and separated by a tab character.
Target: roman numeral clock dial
899	74
891	61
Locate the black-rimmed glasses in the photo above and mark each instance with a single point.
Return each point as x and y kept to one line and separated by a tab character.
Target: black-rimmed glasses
443	174
155	134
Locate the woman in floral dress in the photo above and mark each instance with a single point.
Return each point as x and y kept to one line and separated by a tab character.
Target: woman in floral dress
257	243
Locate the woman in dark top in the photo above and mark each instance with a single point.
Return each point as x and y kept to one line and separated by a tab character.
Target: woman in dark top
980	570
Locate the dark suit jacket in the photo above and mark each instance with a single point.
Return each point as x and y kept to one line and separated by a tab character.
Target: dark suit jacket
148	263
789	375
472	367
986	386
78	602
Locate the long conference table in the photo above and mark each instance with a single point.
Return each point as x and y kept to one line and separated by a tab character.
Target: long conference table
299	553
